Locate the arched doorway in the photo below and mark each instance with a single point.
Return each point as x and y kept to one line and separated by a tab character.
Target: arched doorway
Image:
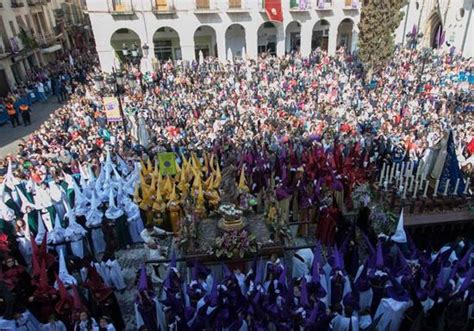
293	37
235	40
166	44
320	36
205	41
267	38
124	38
344	34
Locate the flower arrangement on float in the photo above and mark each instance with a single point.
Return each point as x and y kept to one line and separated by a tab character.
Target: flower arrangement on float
235	244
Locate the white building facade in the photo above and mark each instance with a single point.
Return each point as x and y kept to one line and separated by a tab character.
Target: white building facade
180	29
31	33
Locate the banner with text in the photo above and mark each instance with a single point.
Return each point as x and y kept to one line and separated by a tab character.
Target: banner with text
112	110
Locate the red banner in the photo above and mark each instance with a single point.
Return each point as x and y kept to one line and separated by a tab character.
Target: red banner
273	9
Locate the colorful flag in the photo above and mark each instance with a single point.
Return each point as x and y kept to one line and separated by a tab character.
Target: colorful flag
273	10
167	162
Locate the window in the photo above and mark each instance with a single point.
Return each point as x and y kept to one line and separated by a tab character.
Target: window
163	50
20	23
235	3
118	5
202	4
28	23
12	28
161	5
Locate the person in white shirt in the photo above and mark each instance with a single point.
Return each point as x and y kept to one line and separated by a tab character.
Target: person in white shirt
41	92
153	250
53	325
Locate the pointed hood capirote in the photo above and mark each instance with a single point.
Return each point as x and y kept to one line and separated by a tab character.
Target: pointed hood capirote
113	212
64	275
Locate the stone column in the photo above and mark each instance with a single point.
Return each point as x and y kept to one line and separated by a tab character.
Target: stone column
332	42
306	35
280	40
354	38
221	50
251	41
186	41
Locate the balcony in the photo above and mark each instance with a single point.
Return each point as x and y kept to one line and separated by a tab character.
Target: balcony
350	5
16	46
204	7
5	49
122	7
163	7
17	4
324	5
45	39
298	6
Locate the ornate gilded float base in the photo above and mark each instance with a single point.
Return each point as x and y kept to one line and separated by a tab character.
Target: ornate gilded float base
231	225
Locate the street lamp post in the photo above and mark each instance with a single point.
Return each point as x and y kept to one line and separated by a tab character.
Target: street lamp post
99	82
145	48
413	38
116	82
426	54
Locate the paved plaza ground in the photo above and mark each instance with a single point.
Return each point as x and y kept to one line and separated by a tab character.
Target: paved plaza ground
10	137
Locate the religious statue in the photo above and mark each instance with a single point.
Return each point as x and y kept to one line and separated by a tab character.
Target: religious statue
188	229
228	189
277	224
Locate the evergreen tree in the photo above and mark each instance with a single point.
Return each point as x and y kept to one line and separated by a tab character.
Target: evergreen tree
378	21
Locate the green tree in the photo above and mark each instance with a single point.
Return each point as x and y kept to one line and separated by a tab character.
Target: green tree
27	40
378	21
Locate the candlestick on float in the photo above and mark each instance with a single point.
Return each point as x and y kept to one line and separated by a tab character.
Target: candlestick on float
445	193
436	188
400	185
456	186
382	174
418	170
466	188
397	170
425	192
406	187
412	181
392	173
416	189
387	174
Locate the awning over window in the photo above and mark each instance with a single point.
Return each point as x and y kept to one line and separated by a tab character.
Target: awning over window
51	49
